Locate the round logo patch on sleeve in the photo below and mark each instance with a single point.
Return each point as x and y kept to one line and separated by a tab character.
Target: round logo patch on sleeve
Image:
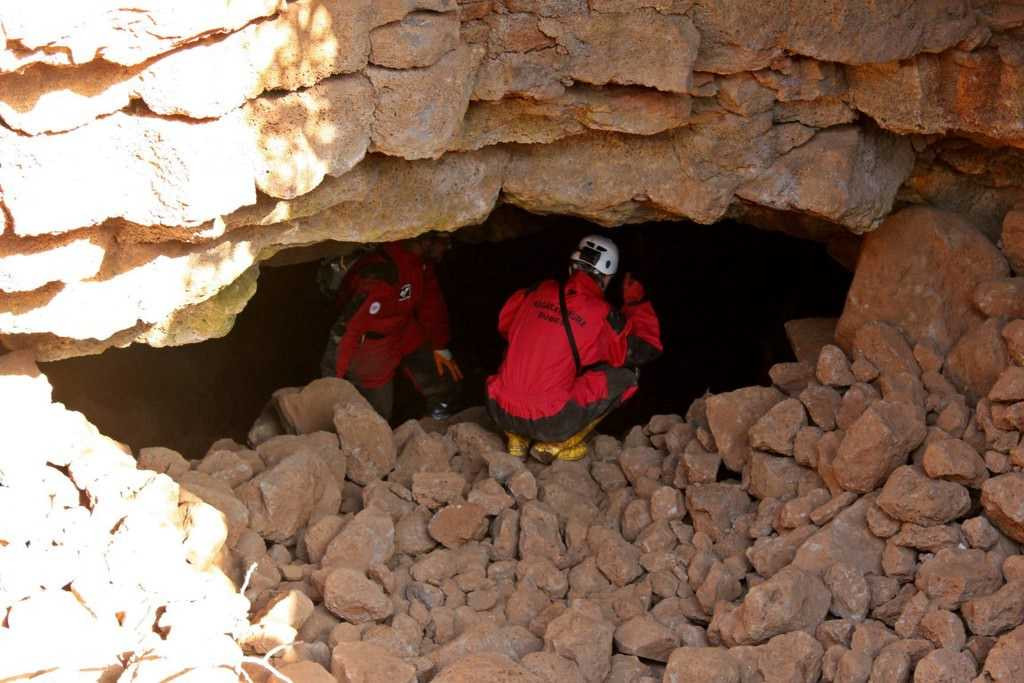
375	308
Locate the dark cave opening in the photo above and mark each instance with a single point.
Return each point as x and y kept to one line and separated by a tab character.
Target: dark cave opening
722	293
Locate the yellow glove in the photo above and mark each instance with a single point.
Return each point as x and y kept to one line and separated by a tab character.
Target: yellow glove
443	360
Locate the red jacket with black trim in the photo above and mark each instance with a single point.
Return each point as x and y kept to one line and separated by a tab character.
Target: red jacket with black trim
391	293
538	374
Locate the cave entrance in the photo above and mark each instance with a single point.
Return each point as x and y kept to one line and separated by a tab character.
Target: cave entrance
722	292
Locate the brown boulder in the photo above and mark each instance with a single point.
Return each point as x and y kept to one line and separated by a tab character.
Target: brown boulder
791	600
910	496
775	477
993	614
918	271
730	417
311	409
618	560
776	430
1005	661
1003	500
281	499
1013	336
423	452
369	663
822	404
885	347
354	598
645	637
453	525
714	508
876	444
1009	386
486	668
366	441
434	489
367	540
1001	298
582	635
551	667
703	665
855	400
954	576
833	368
304	671
485	638
846	540
539	534
794	657
945	666
954	460
851	595
792	378
976	360
770	554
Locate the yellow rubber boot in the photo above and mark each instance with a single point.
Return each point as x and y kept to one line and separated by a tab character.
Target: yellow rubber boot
518	446
572	448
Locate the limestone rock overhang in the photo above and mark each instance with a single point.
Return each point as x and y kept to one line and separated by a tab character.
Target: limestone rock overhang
143	180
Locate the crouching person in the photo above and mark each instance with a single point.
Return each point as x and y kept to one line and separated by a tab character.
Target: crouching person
571	356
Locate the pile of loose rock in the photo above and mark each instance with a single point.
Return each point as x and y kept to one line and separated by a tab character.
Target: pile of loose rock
857	521
108	571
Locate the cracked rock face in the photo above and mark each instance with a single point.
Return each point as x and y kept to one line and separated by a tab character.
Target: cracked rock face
144	150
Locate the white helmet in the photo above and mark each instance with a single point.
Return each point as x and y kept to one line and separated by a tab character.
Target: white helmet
597	253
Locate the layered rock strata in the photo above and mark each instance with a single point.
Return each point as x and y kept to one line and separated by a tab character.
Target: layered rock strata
170	152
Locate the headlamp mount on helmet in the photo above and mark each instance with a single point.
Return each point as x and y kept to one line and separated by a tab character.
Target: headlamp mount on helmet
596	254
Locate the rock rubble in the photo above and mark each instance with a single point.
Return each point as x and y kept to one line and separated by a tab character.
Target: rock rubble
859	520
771	534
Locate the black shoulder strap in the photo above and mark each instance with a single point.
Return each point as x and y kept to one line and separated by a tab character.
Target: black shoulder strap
568	328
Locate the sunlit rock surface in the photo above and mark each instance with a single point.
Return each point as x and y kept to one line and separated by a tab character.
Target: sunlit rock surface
149	158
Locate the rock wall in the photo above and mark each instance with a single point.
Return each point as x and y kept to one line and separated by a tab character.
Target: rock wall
149	158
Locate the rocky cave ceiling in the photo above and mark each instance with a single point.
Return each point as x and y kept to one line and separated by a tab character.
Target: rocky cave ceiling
151	157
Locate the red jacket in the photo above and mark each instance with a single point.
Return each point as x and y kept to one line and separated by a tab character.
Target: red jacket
391	294
538	375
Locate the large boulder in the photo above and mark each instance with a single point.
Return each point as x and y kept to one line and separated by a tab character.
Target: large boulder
1005	661
311	409
1003	500
732	414
919	271
582	635
366	441
791	600
910	496
281	500
877	443
486	668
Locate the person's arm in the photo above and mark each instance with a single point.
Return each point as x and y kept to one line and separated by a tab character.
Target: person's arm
636	331
432	314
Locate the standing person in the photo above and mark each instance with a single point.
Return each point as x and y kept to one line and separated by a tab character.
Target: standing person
571	356
392	315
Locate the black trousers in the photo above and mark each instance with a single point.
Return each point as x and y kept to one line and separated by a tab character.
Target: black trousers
573	416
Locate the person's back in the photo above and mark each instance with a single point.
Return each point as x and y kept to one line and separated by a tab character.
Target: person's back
538	374
570	361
